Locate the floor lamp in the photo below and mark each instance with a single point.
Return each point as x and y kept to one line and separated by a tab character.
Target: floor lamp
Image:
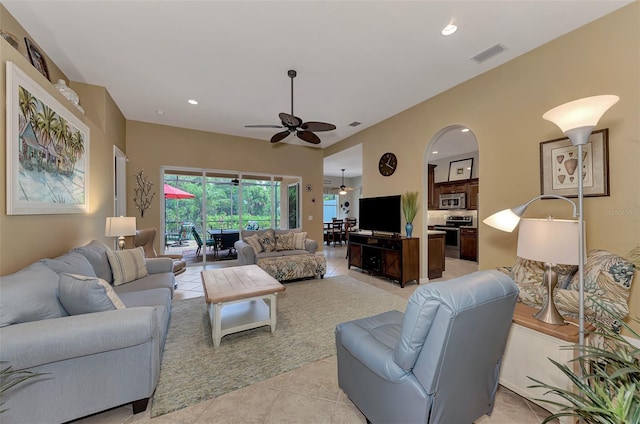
576	120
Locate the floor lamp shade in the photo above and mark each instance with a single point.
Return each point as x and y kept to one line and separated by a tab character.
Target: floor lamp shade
580	113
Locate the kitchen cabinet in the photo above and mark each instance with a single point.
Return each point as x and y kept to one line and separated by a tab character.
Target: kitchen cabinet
469	244
472	194
453	187
469	187
436	254
432	201
397	258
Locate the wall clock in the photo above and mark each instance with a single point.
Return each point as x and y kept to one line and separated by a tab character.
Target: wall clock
387	164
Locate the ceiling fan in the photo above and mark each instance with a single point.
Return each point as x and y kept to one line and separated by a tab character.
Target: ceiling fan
344	188
293	124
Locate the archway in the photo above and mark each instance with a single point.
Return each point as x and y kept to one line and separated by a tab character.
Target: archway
453	150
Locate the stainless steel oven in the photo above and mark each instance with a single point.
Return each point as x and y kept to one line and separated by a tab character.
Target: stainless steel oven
452	234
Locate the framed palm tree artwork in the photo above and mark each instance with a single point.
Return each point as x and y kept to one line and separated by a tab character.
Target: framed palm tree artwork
47	151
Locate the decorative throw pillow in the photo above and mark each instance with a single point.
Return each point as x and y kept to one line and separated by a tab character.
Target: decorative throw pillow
299	240
527	272
606	275
284	241
127	265
80	294
254	241
71	263
268	240
29	295
96	254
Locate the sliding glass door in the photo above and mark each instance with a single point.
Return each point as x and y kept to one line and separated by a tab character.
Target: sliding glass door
203	222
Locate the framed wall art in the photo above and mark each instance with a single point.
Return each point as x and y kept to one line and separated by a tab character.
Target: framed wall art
37	59
460	169
47	151
559	161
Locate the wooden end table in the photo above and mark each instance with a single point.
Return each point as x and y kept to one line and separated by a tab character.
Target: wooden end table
240	298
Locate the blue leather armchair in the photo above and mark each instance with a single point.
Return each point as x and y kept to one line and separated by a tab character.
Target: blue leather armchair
439	362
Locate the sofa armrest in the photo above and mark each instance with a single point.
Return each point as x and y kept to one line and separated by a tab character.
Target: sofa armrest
311	246
158	265
246	254
179	257
46	341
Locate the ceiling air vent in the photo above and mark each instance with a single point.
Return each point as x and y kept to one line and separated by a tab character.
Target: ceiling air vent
489	53
355	124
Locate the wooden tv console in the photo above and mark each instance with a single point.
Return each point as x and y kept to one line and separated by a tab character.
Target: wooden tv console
397	258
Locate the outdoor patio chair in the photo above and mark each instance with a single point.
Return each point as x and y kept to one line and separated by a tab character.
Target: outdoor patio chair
200	243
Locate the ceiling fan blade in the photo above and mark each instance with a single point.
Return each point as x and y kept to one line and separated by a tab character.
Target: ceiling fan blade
290	120
263	126
317	126
308	136
280	136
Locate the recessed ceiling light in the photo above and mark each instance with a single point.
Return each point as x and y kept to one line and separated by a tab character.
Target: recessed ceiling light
193	102
449	29
465	130
160	112
435	152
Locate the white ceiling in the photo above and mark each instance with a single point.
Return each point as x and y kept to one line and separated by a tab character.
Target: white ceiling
356	60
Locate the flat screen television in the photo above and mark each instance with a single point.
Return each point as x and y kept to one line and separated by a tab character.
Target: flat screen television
380	214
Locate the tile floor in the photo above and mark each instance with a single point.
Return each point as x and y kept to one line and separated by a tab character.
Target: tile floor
309	394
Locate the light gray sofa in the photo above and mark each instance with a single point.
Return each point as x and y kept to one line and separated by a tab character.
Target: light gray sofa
248	256
93	361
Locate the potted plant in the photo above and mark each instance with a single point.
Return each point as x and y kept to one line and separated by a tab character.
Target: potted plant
607	389
410	208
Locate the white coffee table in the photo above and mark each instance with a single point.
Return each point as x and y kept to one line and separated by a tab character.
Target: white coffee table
240	298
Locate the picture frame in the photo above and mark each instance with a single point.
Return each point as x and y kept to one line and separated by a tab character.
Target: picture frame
37	58
460	169
46	172
558	162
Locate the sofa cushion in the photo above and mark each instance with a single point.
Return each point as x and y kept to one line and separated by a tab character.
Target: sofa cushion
268	241
254	242
29	295
72	263
127	265
284	241
299	240
80	294
96	254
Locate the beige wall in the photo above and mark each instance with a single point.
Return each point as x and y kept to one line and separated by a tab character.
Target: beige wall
151	146
26	238
504	108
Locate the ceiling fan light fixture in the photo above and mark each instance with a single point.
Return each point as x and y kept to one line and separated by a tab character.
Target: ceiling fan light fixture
343	188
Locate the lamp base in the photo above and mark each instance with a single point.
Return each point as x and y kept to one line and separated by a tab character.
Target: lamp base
121	243
549	313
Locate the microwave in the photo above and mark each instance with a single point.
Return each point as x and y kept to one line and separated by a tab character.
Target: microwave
453	201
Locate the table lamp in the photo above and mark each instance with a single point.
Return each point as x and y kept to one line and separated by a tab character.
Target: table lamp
120	226
552	241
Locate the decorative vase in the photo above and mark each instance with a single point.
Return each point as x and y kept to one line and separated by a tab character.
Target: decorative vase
409	229
67	92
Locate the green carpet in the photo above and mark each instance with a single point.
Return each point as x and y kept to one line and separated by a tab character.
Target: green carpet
308	311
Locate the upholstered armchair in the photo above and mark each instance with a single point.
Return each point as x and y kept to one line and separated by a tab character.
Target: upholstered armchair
145	238
438	362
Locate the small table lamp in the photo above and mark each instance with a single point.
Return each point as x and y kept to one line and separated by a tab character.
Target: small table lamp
552	242
120	226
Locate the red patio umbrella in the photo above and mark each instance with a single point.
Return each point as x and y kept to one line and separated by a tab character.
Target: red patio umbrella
175	193
171	192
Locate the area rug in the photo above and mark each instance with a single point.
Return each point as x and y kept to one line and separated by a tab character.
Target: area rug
193	370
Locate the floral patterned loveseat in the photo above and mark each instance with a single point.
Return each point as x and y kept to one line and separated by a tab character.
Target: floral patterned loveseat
607	279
